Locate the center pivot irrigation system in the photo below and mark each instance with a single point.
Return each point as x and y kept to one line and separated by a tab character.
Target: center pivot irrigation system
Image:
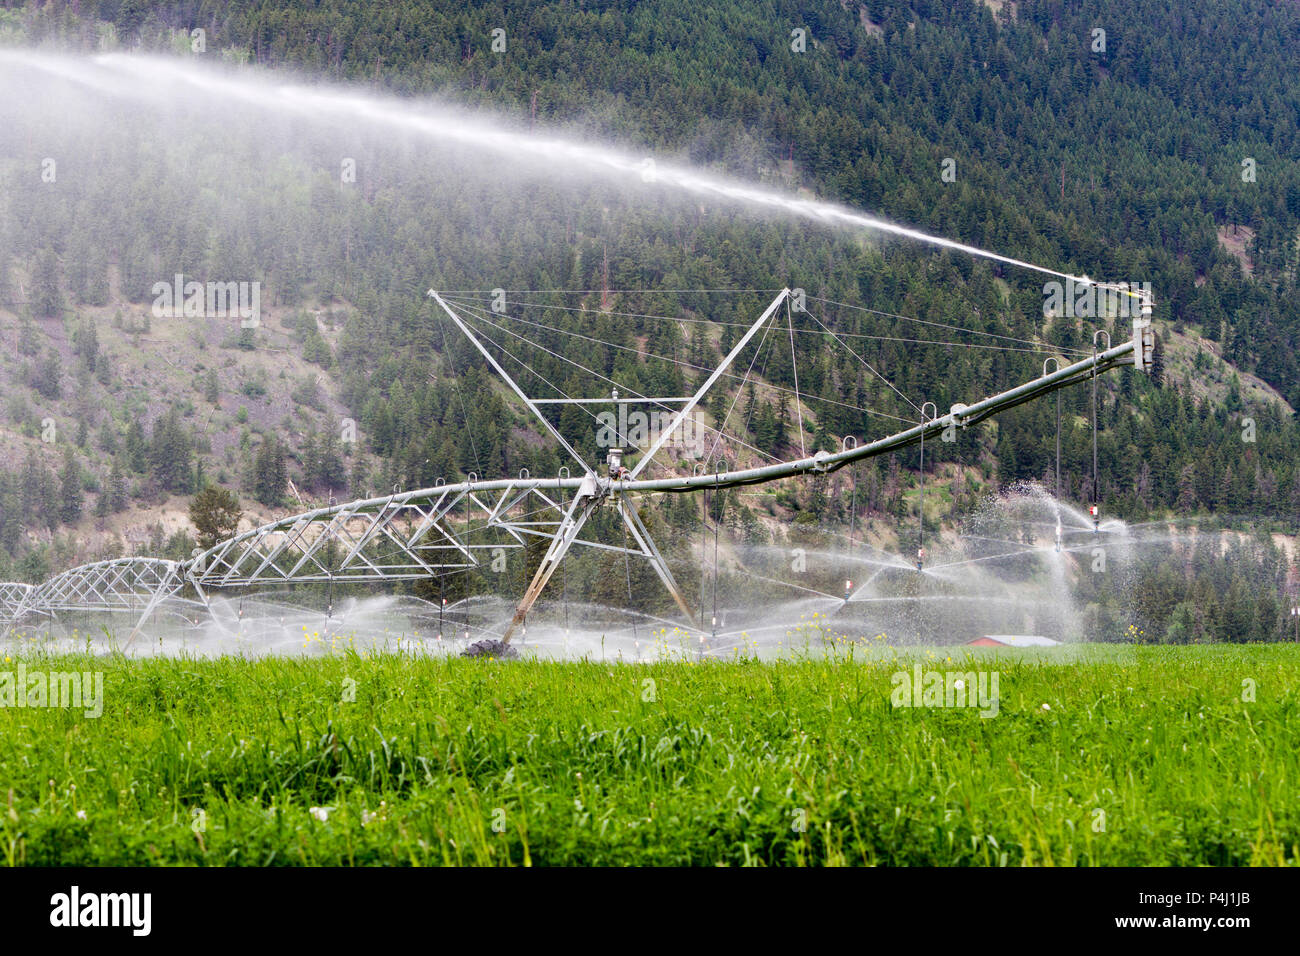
432	533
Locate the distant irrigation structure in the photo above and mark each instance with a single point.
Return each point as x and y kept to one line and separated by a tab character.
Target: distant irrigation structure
449	528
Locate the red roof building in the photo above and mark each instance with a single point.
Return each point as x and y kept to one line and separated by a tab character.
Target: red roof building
1012	640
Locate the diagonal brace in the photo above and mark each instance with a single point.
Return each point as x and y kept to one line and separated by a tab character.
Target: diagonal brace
584	503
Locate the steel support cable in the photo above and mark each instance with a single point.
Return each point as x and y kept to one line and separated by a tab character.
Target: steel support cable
1035	346
722	427
762	372
524	365
945	325
627	571
479	316
455	384
691	366
704	550
716	523
973	414
1096	491
1029	346
564	572
688	365
794	365
578	365
869	367
591	291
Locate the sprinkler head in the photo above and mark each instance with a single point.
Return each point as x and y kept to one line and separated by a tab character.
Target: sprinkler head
920	559
492	649
1096	518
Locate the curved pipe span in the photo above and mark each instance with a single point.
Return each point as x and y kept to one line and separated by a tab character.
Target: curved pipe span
409	535
960	416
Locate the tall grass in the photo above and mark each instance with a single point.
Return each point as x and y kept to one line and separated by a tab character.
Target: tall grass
1156	756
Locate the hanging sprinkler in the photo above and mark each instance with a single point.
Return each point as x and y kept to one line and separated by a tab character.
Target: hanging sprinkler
1095	511
848	589
920	535
329	599
1057	492
1058	534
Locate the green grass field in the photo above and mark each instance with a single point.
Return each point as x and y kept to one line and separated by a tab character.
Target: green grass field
1146	756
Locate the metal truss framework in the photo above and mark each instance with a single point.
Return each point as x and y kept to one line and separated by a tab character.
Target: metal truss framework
433	532
12	598
135	585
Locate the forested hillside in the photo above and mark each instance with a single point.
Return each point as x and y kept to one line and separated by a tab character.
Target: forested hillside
1166	153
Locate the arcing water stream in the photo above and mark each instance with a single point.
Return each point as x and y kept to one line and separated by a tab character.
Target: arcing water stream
151	78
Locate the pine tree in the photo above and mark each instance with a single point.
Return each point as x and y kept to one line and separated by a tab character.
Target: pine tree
269	475
47	299
169	454
211	388
6	285
71	498
215	514
332	475
1158	362
136	448
116	493
311	471
47	374
1187	489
